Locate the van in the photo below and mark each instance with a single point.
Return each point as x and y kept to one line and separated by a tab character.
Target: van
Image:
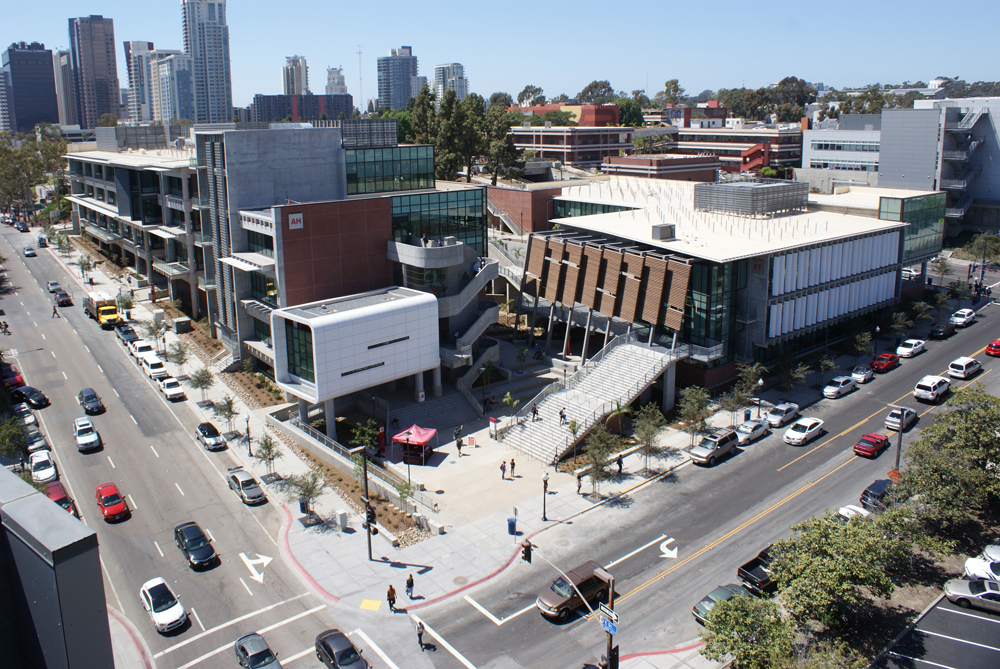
963	368
931	388
153	366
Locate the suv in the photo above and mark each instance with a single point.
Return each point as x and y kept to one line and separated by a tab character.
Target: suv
963	368
85	434
876	496
561	598
715	445
153	367
931	388
781	414
245	485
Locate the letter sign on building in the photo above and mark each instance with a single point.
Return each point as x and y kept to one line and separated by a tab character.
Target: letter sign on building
295	221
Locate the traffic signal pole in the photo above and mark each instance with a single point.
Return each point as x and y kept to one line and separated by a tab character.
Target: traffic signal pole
368	524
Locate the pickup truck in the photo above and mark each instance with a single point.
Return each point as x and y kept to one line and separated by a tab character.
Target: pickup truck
126	335
756	575
102	308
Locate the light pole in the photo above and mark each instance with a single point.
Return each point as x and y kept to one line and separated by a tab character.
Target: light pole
369	521
899	442
482	370
876	341
249	451
760	389
545	493
982	269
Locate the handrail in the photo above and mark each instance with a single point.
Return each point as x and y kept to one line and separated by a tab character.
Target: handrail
467	394
502	215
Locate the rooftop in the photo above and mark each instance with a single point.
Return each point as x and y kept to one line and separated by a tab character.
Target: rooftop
343	305
143	158
862	197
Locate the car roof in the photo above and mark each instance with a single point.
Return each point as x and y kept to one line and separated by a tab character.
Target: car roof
242	474
190	529
82	420
931	378
584	570
841	379
785	405
88	390
334	640
253	643
963	359
913	341
107	487
879	486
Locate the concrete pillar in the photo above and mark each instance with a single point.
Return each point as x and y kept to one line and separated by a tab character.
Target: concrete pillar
586	336
548	335
607	331
436	383
531	333
331	419
669	379
569	321
303	410
418	385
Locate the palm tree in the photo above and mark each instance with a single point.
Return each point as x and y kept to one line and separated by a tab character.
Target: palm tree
618	414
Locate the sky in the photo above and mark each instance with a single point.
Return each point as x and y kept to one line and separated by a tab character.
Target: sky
561	47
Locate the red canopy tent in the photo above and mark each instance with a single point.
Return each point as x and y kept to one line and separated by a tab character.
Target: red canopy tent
416	443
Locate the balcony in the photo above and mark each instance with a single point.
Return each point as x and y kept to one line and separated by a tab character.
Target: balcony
175	202
203	240
197	162
200	203
171	269
206	284
428	257
705	353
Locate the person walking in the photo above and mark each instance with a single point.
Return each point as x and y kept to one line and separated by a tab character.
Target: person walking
619	463
390	597
5	328
512	468
534	412
55	312
458	445
503	470
409	586
579	483
420	635
562	416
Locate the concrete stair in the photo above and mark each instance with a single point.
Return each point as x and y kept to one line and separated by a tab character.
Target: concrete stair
439	413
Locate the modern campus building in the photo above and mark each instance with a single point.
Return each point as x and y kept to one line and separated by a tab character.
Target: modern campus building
95	69
586	115
335	82
843	151
396	73
270	108
449	77
742	147
664	166
206	40
295	76
140	108
30	86
62	70
582	146
709	114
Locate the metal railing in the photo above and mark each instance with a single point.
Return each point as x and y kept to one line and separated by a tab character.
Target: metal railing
502	215
467	394
222	359
705	353
505	254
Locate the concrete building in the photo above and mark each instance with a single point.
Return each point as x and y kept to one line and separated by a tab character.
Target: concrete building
449	77
573	145
336	84
95	69
678	168
62	70
140	107
270	108
4	94
591	116
206	40
844	152
295	76
171	86
706	115
30	83
742	147
396	74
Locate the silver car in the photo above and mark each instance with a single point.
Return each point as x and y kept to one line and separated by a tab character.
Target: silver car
85	434
982	594
252	652
715	445
900	419
783	413
751	430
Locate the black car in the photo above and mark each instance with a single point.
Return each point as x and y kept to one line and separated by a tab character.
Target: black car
63	299
35	398
336	651
126	334
194	544
878	495
942	330
89	400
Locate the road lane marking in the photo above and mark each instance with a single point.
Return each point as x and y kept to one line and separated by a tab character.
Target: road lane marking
116	394
197	619
87	347
640	548
917	659
112	462
179	489
154	451
99	367
65	377
224	625
303	653
458	656
52	352
160	550
482	609
132	501
246	586
952	638
133	419
43	336
311	611
209	533
378	651
971	615
262	560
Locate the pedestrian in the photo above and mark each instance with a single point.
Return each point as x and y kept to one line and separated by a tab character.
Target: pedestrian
423	240
6	330
390	596
512	468
503	470
55	312
619	463
420	635
579	483
409	586
562	415
534	412
458	445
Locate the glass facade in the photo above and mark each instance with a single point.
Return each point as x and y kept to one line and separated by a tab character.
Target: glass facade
389	169
846	165
298	337
454	213
925	214
709	318
260	243
826	145
262	288
567	209
262	331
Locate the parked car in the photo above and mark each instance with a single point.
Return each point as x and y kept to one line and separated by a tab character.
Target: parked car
43	467
846	513
86	434
561	598
194	544
756	575
839	386
720	594
33	397
252	652
871	445
993	348
23	411
55	492
244	485
942	330
53	286
171	388
900	419
884	362
29	252
909	273
63	299
991	553
931	388
111	503
336	651
877	496
980	568
209	436
139	348
963	317
715	445
862	373
163	606
126	335
89	400
803	431
34	440
964	367
153	367
910	348
751	430
781	414
11	378
981	594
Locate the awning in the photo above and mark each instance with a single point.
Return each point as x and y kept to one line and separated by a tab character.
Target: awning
163	234
236	263
259	260
415	435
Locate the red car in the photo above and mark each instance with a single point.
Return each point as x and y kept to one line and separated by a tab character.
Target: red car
11	377
871	445
993	348
57	494
111	503
885	361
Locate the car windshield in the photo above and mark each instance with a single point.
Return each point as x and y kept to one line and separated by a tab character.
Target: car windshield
562	587
800	427
348	656
866	442
40	464
209	430
171	384
89	397
111	500
163	599
84	430
746	428
977	587
261	659
249	484
197	542
64	502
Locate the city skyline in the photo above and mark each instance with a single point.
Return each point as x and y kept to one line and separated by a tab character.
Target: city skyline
259	44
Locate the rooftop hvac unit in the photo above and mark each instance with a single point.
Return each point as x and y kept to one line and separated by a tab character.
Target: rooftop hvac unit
663	232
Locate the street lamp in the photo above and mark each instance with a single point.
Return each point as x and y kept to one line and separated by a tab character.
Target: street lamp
899	442
545	493
876	341
760	388
249	452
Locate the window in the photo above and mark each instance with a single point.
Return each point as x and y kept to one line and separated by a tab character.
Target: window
260	243
262	288
298	338
459	214
262	331
395	169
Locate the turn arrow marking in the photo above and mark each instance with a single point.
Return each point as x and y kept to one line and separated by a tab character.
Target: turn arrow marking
668	553
263	561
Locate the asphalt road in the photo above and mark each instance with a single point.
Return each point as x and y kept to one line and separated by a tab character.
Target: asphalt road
718	519
948	637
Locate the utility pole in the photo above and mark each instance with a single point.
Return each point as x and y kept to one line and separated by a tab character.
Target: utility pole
369	524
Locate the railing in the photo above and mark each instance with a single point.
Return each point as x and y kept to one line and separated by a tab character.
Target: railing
970	119
203	240
200	202
505	254
222	359
498	212
746	316
467	394
705	353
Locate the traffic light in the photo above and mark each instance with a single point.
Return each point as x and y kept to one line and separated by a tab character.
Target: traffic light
370	517
526	551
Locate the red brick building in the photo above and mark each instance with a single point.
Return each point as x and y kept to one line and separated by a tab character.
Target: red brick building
591	116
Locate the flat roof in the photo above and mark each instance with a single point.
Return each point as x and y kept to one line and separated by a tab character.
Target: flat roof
174	158
864	197
342	305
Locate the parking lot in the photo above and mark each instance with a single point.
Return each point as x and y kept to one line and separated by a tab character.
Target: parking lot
947	636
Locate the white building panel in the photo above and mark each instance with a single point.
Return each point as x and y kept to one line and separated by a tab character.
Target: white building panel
790	267
778	276
800	312
774	321
868	249
845	300
823	311
824	270
811	309
787	316
802	281
815	258
843	260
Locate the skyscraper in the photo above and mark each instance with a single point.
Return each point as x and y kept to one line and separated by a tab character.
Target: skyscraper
206	40
171	86
137	58
395	77
95	70
335	82
295	75
450	77
62	70
4	112
31	89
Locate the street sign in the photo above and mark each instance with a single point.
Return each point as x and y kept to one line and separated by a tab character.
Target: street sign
608	613
609	626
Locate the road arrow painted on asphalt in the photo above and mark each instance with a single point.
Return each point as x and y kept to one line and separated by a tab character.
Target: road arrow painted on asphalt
668	552
263	561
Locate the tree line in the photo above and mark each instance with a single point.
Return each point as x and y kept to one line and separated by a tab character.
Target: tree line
26	161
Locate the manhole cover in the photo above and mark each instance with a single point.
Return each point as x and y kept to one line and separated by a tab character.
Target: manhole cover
461	580
563	542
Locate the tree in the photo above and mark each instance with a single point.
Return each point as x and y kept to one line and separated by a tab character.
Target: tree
560	99
792	375
672	92
178	354
597	92
526	95
107	121
618	414
941	267
694	409
85	265
448	146
502	99
472	137
629	113
921	311
509	400
731	403
823	365
12	439
225	409
861	344
900	324
573	428
365	434
307	487
648	423
424	117
64	245
960	291
267	452
767	172
600	446
750	630
941	300
152	329
125	304
202	380
640	98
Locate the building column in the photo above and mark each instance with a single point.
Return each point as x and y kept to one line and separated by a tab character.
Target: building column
331	419
548	335
569	320
303	410
586	336
607	331
669	379
531	333
418	385
436	382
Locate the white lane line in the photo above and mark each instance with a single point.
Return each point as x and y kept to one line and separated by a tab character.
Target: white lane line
378	651
65	377
52	352
458	656
198	620
112	462
158	548
116	393
209	533
292	619
99	367
640	548
245	586
132	501
154	451
133	419
287	660
228	624
108	574
952	638
43	336
917	659
971	615
87	347
22	303
482	609
179	489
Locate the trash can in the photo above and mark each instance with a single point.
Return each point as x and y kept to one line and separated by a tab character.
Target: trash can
512	527
746	415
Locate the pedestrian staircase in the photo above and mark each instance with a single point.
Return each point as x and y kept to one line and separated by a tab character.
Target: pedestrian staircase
618	374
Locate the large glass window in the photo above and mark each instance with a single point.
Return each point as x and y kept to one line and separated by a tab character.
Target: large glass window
710	314
262	288
456	213
298	339
262	331
260	243
389	169
925	214
567	209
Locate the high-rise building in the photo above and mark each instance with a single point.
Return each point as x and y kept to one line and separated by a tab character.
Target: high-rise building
206	40
4	116
31	89
295	75
95	69
62	70
171	86
395	77
301	108
336	84
450	77
137	58
416	85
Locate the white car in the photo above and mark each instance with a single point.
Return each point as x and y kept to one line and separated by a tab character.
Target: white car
171	387
839	386
852	511
910	348
162	605
43	467
931	388
980	568
85	434
23	411
991	553
781	414
751	430
803	431
862	374
963	317
900	419
139	348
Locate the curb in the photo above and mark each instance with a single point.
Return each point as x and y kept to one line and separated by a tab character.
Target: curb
140	645
663	652
289	556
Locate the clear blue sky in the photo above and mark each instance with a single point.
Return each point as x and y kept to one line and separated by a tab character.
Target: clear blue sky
563	46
